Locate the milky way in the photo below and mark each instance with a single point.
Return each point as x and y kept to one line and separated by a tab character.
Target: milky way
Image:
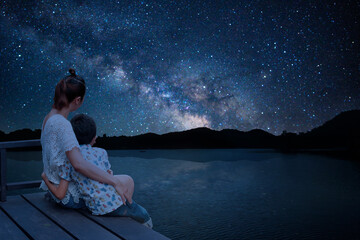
175	65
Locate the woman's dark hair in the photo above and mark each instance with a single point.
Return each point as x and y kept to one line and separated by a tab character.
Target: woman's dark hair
84	128
68	89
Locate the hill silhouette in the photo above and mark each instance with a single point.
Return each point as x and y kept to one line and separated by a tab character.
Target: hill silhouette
341	133
194	138
23	134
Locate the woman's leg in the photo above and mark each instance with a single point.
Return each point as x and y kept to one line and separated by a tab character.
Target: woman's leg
129	183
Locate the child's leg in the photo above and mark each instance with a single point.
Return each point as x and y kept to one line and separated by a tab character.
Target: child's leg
70	204
129	183
134	211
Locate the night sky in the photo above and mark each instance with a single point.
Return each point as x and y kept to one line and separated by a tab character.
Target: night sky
175	65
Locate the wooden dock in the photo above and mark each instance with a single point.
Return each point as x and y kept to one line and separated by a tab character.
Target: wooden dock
31	216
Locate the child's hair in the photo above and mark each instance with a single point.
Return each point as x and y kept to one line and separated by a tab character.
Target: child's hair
84	128
68	89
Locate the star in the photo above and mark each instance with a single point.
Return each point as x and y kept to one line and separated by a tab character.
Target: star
158	68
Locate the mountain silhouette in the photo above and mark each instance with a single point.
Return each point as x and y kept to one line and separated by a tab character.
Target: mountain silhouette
340	133
346	124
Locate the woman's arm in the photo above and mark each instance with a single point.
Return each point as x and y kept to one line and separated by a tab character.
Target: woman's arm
91	171
60	190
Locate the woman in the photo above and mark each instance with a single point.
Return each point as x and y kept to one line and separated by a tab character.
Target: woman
59	145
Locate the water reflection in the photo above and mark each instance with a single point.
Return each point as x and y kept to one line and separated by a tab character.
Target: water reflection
237	194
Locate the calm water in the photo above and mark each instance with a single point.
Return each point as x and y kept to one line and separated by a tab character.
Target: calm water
235	194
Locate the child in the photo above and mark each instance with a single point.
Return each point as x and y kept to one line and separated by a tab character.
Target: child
100	198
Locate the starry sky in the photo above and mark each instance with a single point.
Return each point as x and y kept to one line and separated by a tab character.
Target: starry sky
164	66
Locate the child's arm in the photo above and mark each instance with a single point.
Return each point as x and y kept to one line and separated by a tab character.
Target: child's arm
60	190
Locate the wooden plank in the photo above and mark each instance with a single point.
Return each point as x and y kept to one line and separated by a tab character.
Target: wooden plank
3	175
22	185
24	143
127	228
77	224
9	230
31	220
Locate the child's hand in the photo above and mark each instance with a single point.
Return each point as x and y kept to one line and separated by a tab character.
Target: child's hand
44	177
110	172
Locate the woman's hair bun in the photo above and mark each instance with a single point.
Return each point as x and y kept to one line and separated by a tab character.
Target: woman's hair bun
72	72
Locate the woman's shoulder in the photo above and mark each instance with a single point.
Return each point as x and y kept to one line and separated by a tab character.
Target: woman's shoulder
58	120
56	124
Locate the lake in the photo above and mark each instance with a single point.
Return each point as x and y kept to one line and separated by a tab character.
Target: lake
234	193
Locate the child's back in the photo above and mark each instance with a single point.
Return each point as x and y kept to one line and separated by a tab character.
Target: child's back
100	198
